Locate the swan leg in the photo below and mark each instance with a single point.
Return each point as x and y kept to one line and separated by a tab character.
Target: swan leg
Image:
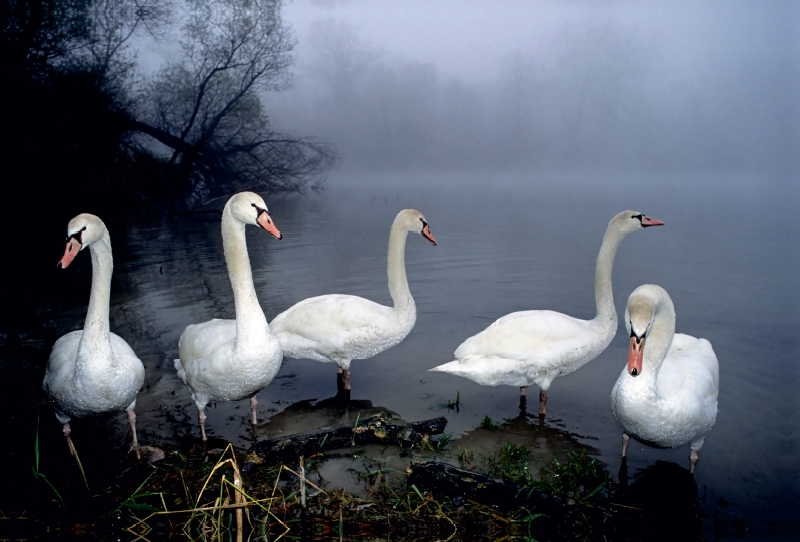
201	416
135	444
694	457
542	402
66	429
625	440
623	472
346	379
253	410
523	401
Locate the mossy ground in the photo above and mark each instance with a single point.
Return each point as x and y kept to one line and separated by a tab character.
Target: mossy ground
219	493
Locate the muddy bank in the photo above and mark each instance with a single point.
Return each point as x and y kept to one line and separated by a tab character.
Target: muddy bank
542	484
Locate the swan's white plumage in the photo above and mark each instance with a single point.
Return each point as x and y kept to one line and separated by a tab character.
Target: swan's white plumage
229	360
674	399
526	347
77	391
339	328
93	371
537	346
361	329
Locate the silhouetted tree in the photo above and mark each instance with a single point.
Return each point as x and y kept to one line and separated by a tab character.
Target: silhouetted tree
206	108
77	99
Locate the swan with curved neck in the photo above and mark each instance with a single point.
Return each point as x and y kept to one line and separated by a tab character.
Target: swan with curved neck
92	371
666	396
536	347
230	360
339	328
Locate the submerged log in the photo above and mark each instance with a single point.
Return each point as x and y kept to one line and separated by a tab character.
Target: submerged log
445	479
377	429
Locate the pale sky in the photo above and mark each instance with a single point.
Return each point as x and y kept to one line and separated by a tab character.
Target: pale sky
470	37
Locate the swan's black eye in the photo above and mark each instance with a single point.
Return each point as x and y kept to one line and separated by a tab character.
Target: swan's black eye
77	235
253	204
638	217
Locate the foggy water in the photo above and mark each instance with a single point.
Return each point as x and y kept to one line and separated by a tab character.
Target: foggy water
726	256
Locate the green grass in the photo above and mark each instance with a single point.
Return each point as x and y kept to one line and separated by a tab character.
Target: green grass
454	405
489	423
37	474
579	478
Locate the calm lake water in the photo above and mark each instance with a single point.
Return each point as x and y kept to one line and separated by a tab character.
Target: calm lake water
728	256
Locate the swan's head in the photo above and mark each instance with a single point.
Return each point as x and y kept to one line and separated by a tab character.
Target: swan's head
643	303
628	221
414	221
82	231
249	208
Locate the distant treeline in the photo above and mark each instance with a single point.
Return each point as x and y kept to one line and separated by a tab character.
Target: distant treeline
619	93
85	125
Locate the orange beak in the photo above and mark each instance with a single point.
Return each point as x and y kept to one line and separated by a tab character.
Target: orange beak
647	221
265	221
426	233
635	355
73	247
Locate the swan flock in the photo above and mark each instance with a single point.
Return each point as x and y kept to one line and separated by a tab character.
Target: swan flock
666	396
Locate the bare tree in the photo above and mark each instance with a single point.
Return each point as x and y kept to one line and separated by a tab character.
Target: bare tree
206	108
108	28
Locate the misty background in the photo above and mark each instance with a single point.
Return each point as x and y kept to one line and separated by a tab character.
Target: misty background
475	112
622	86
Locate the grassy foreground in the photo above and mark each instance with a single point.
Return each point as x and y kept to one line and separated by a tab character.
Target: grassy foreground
224	494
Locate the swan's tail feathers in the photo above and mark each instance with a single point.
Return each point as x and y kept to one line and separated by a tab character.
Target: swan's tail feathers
444	368
62	417
181	370
487	370
697	443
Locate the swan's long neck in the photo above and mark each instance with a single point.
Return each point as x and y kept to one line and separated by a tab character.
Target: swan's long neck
95	341
656	348
252	329
396	271
603	294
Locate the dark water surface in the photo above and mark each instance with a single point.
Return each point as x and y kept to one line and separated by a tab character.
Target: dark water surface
728	256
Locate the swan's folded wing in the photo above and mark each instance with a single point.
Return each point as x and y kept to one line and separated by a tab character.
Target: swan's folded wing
691	371
61	364
122	350
200	341
333	319
133	371
530	336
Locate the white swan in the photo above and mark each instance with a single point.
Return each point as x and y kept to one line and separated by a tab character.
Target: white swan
339	328
93	371
667	394
535	347
229	360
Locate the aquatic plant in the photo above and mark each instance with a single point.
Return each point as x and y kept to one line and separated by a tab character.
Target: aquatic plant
578	478
510	463
37	474
489	423
453	405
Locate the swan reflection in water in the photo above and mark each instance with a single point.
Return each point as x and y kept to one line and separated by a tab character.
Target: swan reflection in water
666	495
